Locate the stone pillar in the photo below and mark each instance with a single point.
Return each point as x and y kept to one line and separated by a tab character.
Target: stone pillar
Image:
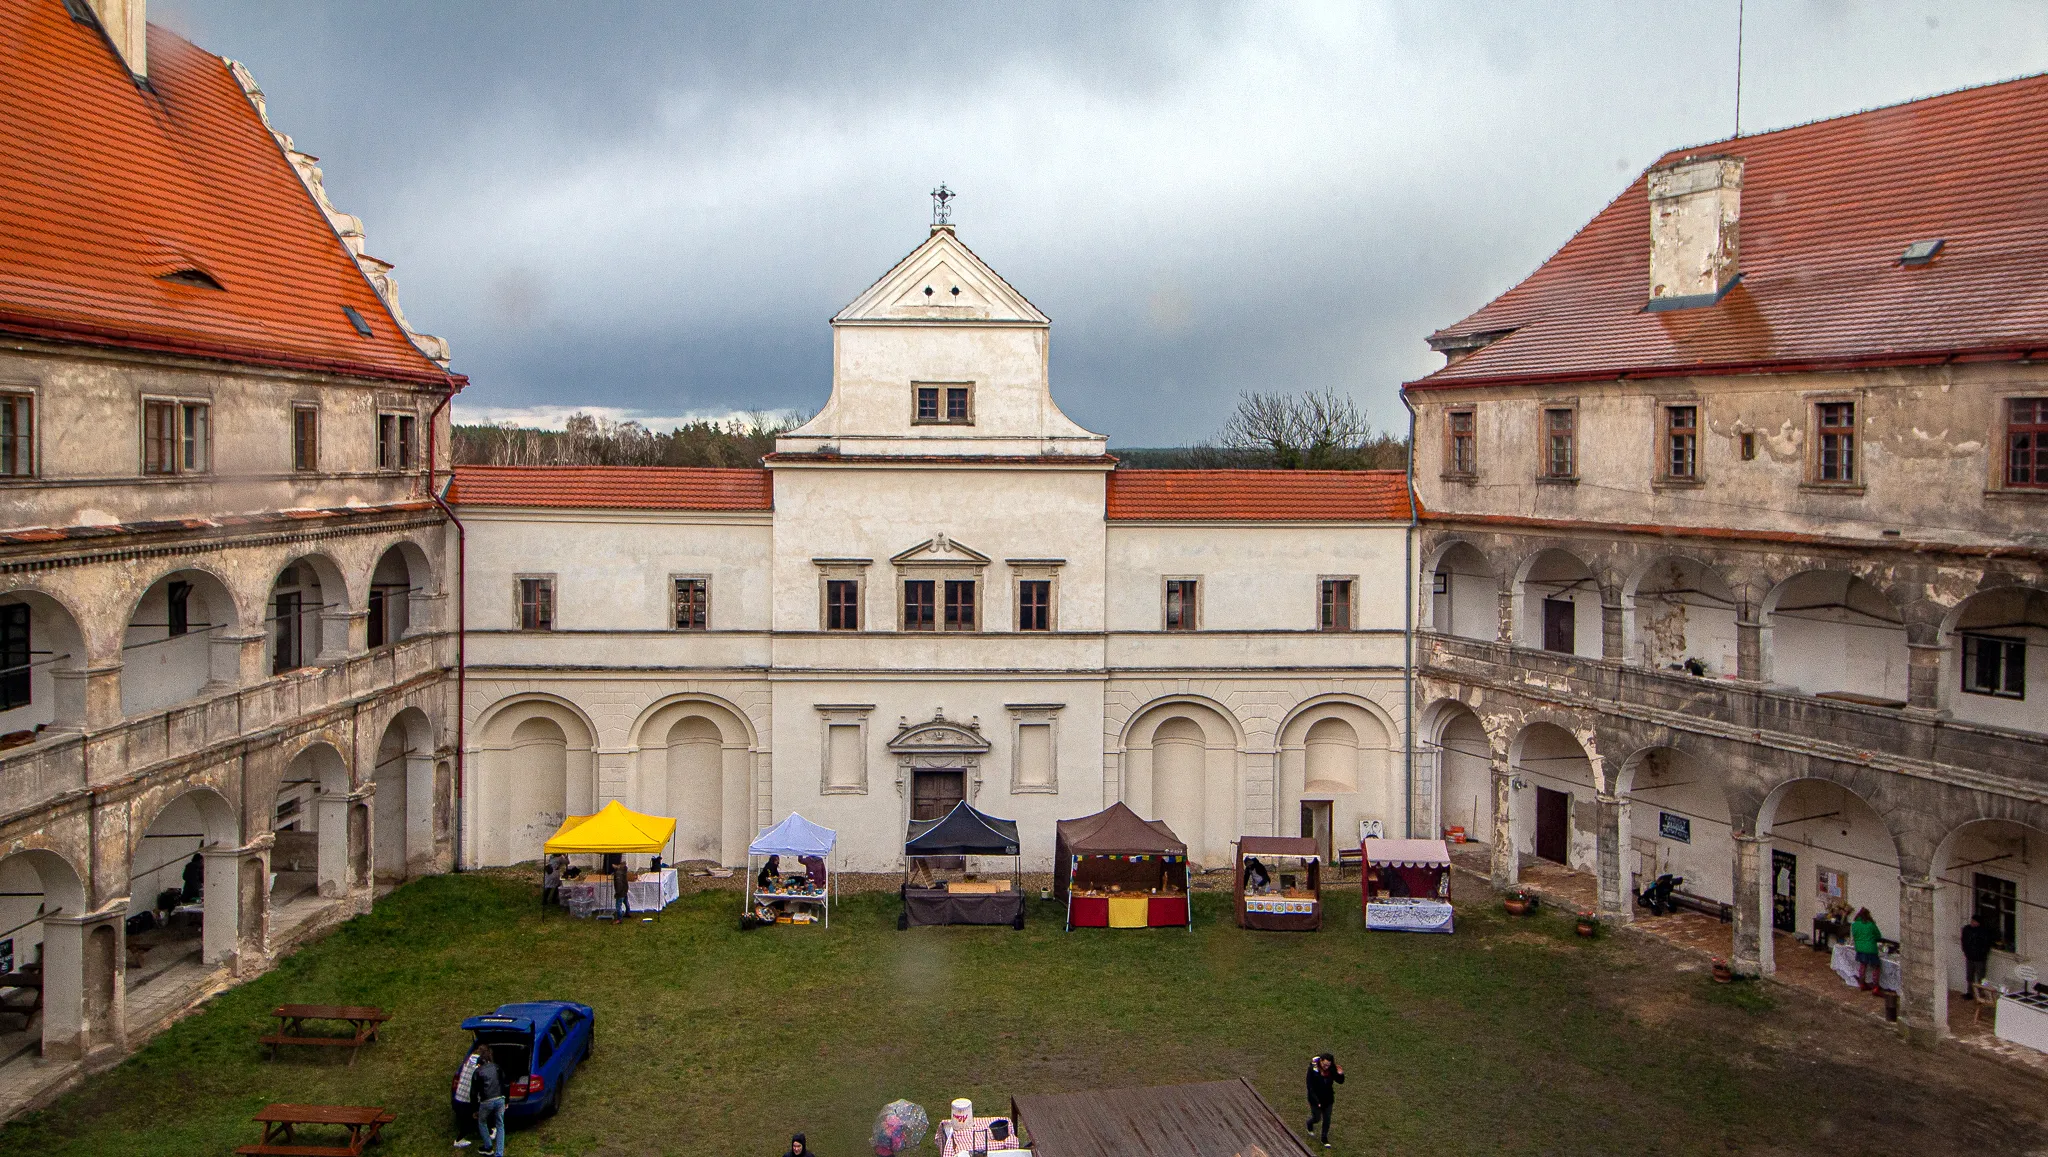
335	838
82	982
1613	640
251	655
1506	868
223	939
252	905
343	632
1749	651
1923	677
362	848
93	693
1607	857
1923	1002
1750	954
1507	616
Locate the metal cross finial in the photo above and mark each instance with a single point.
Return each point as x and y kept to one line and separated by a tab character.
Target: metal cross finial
942	209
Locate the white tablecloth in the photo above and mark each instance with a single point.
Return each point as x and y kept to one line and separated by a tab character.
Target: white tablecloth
1408	914
645	892
2023	1020
1843	960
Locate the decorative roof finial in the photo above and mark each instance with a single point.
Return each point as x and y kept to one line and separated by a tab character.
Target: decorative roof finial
942	209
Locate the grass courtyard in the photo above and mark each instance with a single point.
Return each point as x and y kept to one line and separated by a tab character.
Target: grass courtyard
1511	1037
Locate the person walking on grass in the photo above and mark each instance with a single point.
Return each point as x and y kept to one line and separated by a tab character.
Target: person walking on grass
622	881
1976	954
1864	935
1324	1075
487	1093
550	885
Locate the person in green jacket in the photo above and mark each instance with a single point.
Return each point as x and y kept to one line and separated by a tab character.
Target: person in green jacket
1864	935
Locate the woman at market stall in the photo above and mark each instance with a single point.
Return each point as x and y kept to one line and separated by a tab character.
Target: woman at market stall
1864	934
1256	878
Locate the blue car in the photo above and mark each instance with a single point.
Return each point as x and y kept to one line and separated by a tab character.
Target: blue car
536	1045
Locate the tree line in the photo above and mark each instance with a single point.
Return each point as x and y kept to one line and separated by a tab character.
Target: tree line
1316	430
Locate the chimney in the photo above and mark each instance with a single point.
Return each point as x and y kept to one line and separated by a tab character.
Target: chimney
1695	211
127	26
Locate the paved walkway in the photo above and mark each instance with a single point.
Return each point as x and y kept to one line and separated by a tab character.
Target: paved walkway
1797	964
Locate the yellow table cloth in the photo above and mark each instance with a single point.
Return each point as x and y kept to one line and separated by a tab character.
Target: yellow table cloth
1129	911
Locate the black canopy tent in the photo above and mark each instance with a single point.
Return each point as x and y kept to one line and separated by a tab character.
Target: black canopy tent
960	833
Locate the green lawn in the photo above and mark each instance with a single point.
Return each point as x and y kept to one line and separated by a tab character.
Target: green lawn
1511	1037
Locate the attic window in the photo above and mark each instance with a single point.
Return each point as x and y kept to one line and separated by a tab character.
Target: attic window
81	12
1922	252
192	275
356	319
927	291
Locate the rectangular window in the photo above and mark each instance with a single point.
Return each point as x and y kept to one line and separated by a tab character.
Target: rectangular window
1836	426
175	437
1746	446
1997	907
1561	458
960	604
536	604
1034	604
956	404
397	438
305	438
1464	451
942	403
692	604
287	651
918	597
1336	605
927	403
15	655
2026	443
1181	597
1995	665
17	435
842	604
178	600
1681	442
1560	625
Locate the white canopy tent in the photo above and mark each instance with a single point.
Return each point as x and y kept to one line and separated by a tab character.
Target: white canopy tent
794	836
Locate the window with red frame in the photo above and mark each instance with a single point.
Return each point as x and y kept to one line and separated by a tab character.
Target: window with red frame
2026	443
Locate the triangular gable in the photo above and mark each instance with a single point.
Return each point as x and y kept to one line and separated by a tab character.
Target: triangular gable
941	280
940	549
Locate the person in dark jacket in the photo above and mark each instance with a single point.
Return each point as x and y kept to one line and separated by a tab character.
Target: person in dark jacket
1977	941
798	1147
487	1093
195	879
621	882
1324	1075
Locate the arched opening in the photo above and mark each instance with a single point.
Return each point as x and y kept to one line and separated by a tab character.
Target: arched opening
1465	595
536	770
694	766
307	613
1558	605
1555	798
310	857
177	646
1997	872
696	788
1182	769
1336	776
39	891
1996	659
399	591
1680	616
181	903
42	656
402	802
1464	773
1832	635
1826	853
1675	820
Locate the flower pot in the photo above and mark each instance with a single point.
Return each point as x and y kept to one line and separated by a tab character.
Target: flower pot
1518	905
1588	926
1722	973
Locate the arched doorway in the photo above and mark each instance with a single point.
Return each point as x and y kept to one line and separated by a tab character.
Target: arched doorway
1464	595
1995	659
179	642
402	804
400	594
1675	820
42	660
1996	871
307	613
182	910
310	857
1679	616
535	770
1554	798
694	765
1335	773
1831	634
1464	758
39	911
1824	849
1558	605
1182	768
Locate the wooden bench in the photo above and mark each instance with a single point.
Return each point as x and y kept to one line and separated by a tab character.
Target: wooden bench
280	1124
1353	858
364	1021
1705	907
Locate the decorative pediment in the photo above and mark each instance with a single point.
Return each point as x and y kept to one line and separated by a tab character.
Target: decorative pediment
939	736
941	280
940	551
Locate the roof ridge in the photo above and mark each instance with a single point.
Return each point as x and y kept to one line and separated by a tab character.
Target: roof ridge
1911	100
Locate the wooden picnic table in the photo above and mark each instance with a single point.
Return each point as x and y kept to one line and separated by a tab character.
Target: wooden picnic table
280	1124
291	1026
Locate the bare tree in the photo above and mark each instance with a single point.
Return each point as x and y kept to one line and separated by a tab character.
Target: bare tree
1316	430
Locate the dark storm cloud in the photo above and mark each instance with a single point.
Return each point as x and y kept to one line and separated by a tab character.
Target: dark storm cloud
656	208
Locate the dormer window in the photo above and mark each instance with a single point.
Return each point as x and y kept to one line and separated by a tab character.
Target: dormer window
943	403
193	276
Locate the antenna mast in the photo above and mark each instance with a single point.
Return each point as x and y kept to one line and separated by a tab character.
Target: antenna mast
1738	66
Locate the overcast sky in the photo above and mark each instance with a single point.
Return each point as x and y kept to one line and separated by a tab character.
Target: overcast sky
657	208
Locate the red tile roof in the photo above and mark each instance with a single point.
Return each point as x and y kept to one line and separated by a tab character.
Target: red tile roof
1259	495
614	487
1827	209
105	185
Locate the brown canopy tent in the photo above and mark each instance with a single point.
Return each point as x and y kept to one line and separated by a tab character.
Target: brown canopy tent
1298	908
1213	1119
1116	869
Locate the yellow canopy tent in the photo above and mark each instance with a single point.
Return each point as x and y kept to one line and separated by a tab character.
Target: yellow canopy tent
615	828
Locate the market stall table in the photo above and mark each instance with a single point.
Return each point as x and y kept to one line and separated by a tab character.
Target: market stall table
1407	886
1843	961
1276	906
1115	869
645	892
961	833
280	1129
789	897
2023	1020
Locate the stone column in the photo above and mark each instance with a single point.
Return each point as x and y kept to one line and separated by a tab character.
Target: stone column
343	632
1607	857
252	905
1507	616
1506	868
1613	640
1750	954
82	982
1923	1003
333	861
1749	651
1923	677
90	695
223	940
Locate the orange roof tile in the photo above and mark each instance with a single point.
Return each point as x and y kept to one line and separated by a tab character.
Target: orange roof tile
1259	495
106	185
1827	209
614	487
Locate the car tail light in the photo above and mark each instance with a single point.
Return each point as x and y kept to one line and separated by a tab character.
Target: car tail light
531	1086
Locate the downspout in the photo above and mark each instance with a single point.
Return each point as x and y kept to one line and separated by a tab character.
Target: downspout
1408	633
461	614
